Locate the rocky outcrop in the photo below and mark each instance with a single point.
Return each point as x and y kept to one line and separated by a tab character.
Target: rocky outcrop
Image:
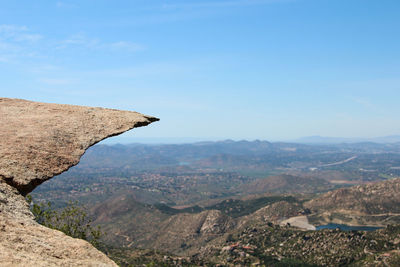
375	204
275	213
373	198
185	233
38	141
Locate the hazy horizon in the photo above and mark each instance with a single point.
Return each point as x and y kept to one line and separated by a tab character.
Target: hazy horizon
304	140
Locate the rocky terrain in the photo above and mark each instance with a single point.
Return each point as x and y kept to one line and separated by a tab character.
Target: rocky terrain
370	204
38	141
135	225
132	224
268	244
231	233
272	245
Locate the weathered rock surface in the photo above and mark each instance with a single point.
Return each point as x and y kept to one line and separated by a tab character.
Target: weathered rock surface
23	242
38	141
41	140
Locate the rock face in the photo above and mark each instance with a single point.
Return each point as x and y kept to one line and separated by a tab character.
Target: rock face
38	141
41	140
23	242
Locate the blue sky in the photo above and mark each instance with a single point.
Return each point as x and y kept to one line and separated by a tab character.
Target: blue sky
239	69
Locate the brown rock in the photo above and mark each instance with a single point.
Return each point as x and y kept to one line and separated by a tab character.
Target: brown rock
23	242
38	141
41	140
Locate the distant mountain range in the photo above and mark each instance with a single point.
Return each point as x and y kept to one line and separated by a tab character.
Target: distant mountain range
339	140
303	140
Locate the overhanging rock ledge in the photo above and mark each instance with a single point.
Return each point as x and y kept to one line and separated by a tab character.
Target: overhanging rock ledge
37	142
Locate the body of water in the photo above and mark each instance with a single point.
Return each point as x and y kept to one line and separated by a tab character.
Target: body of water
345	227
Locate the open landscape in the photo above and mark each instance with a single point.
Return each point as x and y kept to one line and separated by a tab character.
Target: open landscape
195	200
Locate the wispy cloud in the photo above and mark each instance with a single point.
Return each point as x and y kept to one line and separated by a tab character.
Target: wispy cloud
82	40
79	39
17	42
38	56
18	34
6	29
14	38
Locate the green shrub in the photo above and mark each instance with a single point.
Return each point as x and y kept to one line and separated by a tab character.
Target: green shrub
71	220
